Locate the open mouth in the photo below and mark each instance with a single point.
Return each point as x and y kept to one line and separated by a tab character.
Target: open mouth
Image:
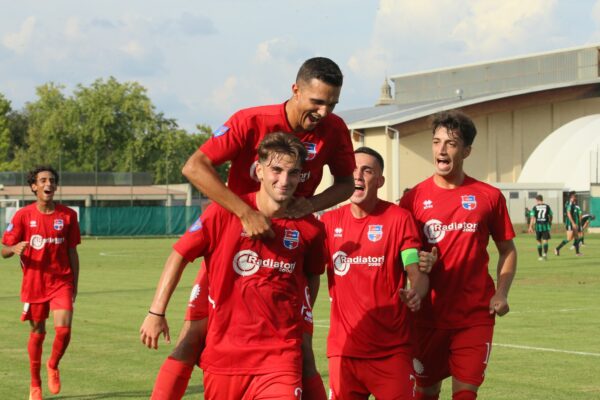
314	118
359	188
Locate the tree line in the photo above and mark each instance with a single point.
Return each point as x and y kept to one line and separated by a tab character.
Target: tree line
108	126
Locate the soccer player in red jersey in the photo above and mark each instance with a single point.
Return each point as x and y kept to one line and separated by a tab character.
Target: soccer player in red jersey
45	236
308	116
373	249
259	284
458	214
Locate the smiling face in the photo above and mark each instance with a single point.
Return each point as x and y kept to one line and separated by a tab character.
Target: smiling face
279	176
44	186
368	178
311	102
449	152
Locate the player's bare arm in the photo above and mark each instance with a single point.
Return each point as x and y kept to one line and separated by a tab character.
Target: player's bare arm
74	262
18	249
155	322
419	285
427	260
341	190
506	270
201	173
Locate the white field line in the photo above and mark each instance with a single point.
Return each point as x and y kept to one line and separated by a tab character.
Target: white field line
512	346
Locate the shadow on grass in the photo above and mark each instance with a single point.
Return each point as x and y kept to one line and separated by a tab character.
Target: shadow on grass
194	389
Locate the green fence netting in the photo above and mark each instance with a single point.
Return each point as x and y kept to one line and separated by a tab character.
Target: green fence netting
595	210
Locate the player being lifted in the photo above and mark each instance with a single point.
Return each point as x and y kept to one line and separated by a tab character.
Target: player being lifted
458	214
541	222
258	284
45	236
308	116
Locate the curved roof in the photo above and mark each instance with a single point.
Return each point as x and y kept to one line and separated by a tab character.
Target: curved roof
568	155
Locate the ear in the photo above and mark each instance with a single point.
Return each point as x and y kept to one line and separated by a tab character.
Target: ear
380	181
295	89
466	152
259	171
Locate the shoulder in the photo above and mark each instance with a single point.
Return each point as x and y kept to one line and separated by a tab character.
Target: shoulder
253	113
482	187
333	215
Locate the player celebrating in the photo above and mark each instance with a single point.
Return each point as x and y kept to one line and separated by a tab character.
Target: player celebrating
457	213
372	247
258	284
308	116
45	236
540	218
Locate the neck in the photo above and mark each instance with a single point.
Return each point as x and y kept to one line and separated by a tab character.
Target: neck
449	181
45	207
363	209
268	207
290	115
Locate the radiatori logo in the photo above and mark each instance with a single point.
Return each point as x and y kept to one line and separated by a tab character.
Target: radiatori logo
38	242
247	262
342	263
435	230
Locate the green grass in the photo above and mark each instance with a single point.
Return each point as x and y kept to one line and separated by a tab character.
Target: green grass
548	347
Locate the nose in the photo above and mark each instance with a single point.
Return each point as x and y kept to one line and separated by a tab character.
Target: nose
324	110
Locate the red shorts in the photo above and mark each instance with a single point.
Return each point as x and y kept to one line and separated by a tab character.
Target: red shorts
460	353
61	300
307	315
197	308
390	377
278	385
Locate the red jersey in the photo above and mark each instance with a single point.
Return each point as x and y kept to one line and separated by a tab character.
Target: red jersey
238	139
365	271
256	289
45	262
459	223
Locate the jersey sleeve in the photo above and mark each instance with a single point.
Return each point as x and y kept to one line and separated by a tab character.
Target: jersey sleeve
14	231
500	224
226	141
409	233
74	238
198	239
342	162
316	256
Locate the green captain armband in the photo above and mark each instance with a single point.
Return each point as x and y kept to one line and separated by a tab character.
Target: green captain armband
410	256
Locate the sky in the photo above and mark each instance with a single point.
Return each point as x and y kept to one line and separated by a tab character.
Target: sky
202	60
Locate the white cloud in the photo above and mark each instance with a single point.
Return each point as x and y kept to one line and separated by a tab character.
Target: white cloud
72	28
18	41
223	96
133	48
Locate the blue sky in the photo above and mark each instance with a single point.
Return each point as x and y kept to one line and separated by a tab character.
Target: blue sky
202	60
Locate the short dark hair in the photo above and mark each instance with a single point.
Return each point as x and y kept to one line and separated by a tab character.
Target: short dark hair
455	121
372	153
281	143
572	193
32	175
320	68
539	197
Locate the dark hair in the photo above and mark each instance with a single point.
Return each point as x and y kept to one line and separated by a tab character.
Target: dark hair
372	153
572	193
281	143
320	68
539	197
456	122
32	175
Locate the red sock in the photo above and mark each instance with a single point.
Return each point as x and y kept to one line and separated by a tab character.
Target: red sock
423	396
60	344
34	348
172	380
313	388
464	395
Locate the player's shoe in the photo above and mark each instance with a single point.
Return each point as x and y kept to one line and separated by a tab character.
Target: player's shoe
578	254
35	393
545	257
53	379
556	252
571	248
540	258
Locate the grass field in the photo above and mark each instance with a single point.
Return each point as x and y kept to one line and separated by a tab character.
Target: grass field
547	347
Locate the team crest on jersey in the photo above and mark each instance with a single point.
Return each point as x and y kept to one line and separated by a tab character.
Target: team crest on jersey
311	148
197	226
469	202
33	224
220	131
375	233
59	224
291	238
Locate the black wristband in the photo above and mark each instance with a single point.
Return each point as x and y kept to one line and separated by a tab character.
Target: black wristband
157	314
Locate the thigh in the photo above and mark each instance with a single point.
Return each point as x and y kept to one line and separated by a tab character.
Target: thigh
225	387
470	353
344	382
431	355
390	378
61	305
35	311
276	386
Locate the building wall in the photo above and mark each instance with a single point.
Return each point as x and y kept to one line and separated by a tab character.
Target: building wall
504	141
